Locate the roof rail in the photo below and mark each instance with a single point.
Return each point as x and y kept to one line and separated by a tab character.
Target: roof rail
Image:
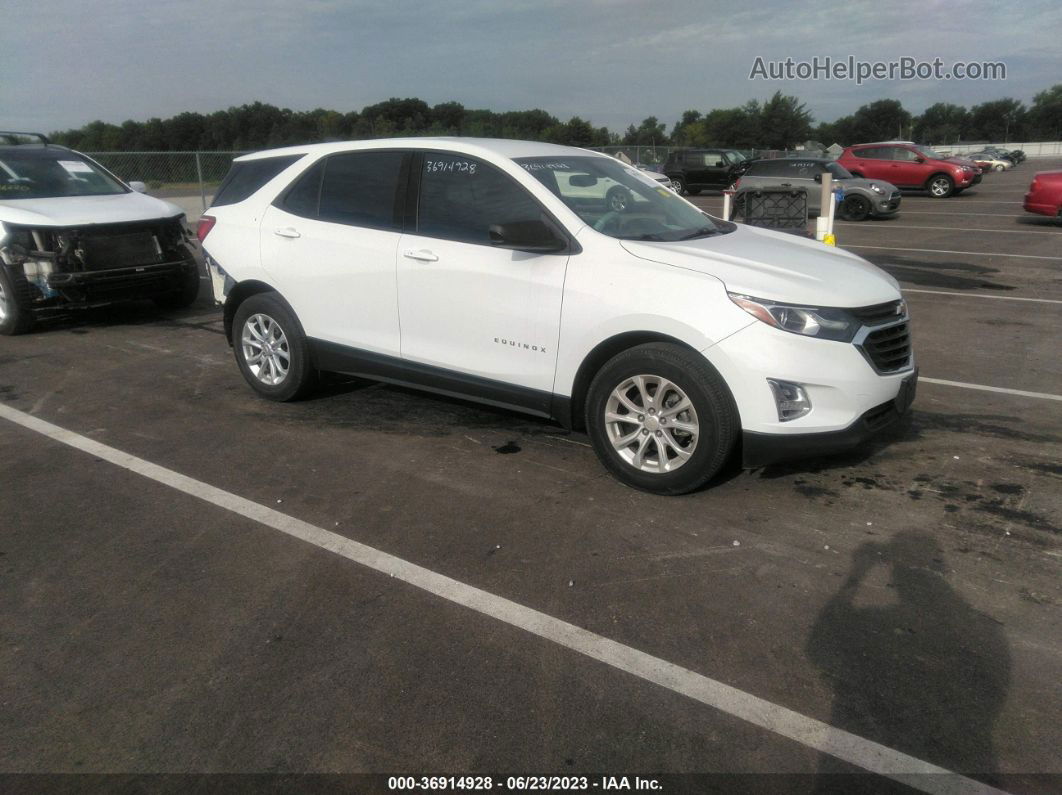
12	136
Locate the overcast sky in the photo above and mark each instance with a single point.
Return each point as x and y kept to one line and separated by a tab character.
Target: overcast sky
68	62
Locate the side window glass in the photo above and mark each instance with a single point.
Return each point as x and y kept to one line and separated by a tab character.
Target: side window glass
303	197
461	197
359	188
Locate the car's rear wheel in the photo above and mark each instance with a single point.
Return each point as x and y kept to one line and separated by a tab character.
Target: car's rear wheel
855	208
679	184
15	317
940	186
271	348
999	167
660	418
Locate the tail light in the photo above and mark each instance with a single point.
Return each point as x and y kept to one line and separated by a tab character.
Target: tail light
206	223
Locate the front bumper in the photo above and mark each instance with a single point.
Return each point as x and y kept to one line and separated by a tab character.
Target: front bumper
885	206
86	289
762	449
840	382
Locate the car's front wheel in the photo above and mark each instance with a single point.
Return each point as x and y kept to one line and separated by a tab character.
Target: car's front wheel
940	186
855	208
15	318
660	418
271	348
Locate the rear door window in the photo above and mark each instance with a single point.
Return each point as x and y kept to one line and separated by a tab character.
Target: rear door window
361	189
246	177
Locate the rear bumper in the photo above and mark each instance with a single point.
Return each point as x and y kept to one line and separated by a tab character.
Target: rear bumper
1040	208
762	449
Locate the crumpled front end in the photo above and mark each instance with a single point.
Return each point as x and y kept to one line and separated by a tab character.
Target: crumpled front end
56	268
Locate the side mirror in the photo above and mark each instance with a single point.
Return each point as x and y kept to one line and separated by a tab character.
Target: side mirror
531	236
920	160
138	186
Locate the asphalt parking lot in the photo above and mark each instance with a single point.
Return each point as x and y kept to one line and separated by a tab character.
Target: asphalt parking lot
181	595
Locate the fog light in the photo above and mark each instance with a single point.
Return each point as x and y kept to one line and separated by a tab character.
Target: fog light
790	399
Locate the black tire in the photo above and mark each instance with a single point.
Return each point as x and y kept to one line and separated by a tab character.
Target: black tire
300	376
716	417
184	296
618	199
15	315
680	185
855	208
940	186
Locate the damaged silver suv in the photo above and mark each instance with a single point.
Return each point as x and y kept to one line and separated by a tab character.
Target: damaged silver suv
73	235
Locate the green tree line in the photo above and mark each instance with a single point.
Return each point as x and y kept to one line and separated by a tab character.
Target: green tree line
780	122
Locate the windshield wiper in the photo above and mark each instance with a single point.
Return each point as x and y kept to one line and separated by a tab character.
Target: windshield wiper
704	231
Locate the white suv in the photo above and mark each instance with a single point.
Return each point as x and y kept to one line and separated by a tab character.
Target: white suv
507	272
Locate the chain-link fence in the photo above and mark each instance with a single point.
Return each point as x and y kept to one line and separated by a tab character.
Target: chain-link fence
171	175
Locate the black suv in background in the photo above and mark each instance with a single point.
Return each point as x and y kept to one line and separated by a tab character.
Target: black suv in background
693	170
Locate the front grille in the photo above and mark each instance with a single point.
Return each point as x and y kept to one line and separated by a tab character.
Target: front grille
878	313
104	252
889	349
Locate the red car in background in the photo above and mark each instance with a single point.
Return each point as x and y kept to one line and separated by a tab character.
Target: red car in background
908	165
1045	194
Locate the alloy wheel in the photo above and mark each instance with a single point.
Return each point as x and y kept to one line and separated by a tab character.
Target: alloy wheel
3	304
651	423
265	349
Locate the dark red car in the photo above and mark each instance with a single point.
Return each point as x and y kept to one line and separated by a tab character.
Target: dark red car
1045	194
908	165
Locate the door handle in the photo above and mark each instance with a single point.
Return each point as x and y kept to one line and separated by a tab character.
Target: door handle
421	254
286	231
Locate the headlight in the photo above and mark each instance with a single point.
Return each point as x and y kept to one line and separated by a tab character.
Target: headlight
967	169
821	322
877	188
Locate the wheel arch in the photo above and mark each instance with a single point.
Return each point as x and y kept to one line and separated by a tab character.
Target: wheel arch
244	290
570	411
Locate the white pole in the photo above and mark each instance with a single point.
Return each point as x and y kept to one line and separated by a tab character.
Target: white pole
726	204
822	224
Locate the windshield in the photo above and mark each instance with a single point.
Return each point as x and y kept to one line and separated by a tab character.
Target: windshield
838	171
47	174
620	201
736	156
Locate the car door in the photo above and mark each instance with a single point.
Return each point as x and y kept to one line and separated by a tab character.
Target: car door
330	244
717	169
875	163
908	167
469	307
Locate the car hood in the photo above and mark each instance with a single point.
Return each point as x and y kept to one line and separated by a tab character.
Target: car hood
86	210
862	182
961	161
776	265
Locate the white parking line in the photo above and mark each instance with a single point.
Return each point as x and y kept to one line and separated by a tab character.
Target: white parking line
862	225
809	732
979	215
982	295
946	251
983	388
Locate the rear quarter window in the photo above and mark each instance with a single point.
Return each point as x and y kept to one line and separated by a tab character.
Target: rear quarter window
246	177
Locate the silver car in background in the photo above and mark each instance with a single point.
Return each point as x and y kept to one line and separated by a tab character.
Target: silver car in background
863	198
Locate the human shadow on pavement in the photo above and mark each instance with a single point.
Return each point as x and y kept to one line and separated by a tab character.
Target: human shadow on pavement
912	665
